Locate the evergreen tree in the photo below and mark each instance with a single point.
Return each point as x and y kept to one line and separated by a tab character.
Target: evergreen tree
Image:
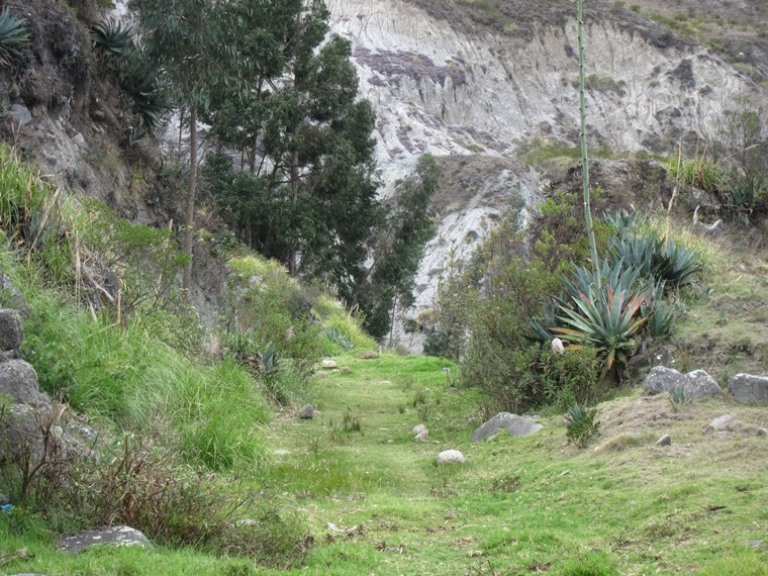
398	248
309	196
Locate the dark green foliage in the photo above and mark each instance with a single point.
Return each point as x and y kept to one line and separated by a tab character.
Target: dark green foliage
661	260
112	38
573	377
398	245
13	38
140	79
581	425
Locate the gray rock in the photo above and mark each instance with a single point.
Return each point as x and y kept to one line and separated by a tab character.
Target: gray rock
720	424
18	380
328	364
307	412
11	330
450	457
420	433
698	385
749	389
114	536
20	114
661	379
665	440
79	140
22	431
512	423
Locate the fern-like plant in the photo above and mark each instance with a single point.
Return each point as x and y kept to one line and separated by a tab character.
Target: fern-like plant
13	38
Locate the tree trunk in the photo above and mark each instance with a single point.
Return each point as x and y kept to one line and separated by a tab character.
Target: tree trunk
189	211
293	263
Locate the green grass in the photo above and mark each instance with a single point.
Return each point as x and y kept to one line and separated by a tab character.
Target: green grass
376	502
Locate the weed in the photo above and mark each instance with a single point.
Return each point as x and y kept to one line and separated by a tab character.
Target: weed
350	422
677	397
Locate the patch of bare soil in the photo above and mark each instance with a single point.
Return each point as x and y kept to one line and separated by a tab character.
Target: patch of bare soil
464	176
639	421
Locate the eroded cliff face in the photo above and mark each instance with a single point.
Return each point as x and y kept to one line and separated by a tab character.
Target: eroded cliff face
488	92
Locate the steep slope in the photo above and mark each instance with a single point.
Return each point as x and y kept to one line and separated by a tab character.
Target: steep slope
478	81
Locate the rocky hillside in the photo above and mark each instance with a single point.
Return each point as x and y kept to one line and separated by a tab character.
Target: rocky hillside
483	84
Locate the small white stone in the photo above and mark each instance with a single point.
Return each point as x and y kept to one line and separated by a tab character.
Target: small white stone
450	457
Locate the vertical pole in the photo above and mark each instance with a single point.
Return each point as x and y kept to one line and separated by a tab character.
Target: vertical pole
584	158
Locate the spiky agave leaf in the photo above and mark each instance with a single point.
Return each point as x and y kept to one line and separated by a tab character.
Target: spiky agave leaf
112	37
13	38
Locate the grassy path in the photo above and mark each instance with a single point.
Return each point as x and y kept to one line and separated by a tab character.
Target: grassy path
379	505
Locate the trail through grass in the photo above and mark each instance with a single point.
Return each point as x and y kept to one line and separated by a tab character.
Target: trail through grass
379	504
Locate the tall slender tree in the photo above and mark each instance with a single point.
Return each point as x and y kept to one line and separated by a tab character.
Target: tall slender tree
187	42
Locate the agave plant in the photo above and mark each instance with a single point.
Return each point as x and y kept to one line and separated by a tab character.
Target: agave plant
13	38
111	38
662	261
605	315
676	265
581	425
144	85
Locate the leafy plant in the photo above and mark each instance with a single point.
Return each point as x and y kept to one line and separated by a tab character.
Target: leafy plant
660	320
13	38
581	425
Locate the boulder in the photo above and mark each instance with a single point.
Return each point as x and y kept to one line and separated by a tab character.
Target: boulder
20	114
23	429
749	389
114	536
11	330
698	385
450	457
512	423
18	380
661	379
721	424
307	412
328	364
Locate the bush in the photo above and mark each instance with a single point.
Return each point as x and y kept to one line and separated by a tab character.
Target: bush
143	486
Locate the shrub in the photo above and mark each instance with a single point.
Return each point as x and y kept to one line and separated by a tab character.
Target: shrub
572	377
141	485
